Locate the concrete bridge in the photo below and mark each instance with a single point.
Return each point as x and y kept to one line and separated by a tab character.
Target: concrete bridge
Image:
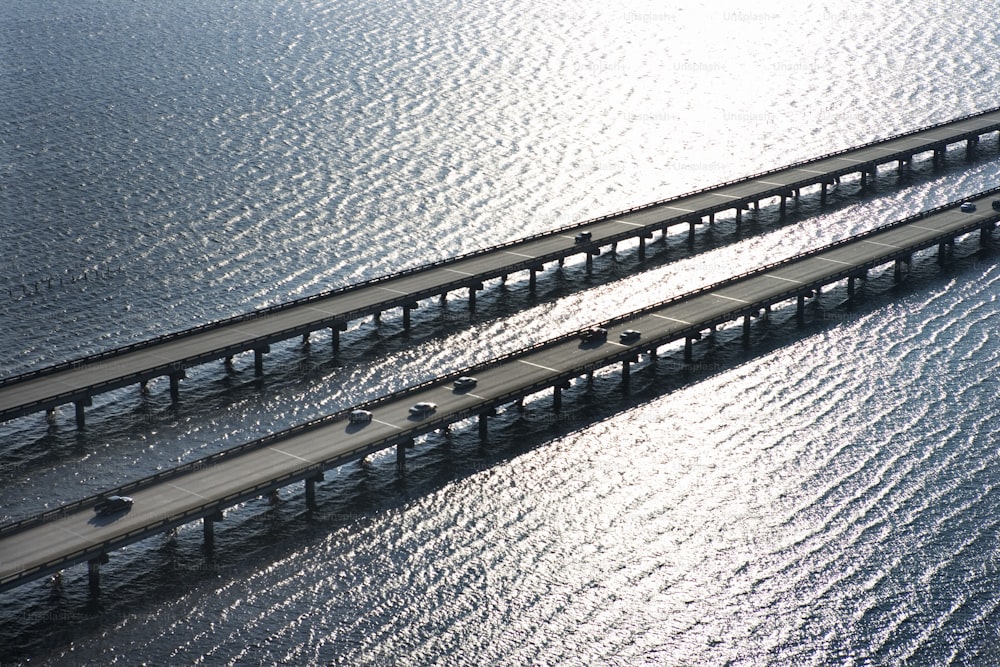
76	382
203	489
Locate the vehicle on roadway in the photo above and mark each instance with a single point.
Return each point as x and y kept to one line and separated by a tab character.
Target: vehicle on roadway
968	207
629	335
582	237
360	416
423	408
996	204
465	382
594	334
113	505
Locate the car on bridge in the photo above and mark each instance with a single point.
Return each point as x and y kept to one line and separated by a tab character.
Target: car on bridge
582	237
423	408
113	505
465	383
594	335
360	416
629	336
967	207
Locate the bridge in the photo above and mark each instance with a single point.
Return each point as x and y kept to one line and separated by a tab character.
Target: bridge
77	381
203	489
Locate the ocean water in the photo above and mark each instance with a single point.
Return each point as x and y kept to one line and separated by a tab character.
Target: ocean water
825	497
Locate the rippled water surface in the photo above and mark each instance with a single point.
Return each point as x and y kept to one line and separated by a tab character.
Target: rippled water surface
825	497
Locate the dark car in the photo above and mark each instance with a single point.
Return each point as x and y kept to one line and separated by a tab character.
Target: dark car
113	505
582	237
629	335
593	335
996	204
968	207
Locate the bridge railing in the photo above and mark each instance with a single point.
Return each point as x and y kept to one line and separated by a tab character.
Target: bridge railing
264	312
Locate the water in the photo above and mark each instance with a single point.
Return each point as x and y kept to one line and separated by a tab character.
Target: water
826	497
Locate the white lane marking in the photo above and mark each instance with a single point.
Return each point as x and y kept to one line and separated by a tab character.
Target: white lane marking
544	368
630	224
678	208
181	488
73	532
275	449
835	261
476	396
731	298
379	421
519	254
394	291
791	280
810	171
672	319
772	183
464	273
884	245
926	229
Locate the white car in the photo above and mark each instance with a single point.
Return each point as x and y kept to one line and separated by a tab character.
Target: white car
423	408
360	416
465	382
967	207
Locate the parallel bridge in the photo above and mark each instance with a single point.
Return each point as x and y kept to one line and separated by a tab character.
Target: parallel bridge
203	489
79	380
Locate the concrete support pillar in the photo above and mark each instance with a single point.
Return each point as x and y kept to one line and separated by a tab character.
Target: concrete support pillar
406	318
782	206
864	178
711	218
557	398
652	355
50	415
377	318
472	300
209	528
144	387
305	338
400	454
688	350
898	269
590	262
746	329
444	295
483	425
532	279
739	214
175	385
335	339
800	308
985	236
756	205
691	225
562	262
258	360
822	193
311	490
94	572
970	147
626	371
80	405
642	248
228	362
850	287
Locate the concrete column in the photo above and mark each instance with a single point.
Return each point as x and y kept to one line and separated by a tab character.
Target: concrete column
483	425
688	349
80	405
970	147
229	362
800	308
985	237
311	490
626	371
782	207
711	218
691	225
335	339
209	527
652	355
50	415
144	387
532	279
746	329
401	453
850	287
822	193
739	214
642	247
94	572
557	398
406	318
305	338
258	360
175	385
590	262
377	318
472	300
864	178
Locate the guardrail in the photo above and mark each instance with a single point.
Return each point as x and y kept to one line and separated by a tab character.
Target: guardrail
270	310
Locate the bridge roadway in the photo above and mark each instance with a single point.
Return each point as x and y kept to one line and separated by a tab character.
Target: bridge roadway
73	534
79	380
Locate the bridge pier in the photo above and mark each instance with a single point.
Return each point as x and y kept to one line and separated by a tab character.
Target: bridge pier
258	359
532	279
800	308
407	309
898	268
335	336
80	416
472	297
971	146
94	572
626	372
944	249
642	248
782	206
175	385
746	330
739	215
401	448
305	338
590	262
311	490
691	225
822	193
208	527
688	349
144	387
985	235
